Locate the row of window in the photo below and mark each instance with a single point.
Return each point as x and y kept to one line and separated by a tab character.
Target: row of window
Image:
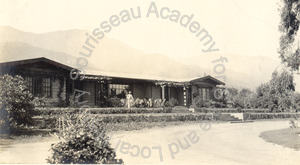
204	93
39	86
43	87
119	90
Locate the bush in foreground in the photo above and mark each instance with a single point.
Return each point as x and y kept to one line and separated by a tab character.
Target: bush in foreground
83	142
15	101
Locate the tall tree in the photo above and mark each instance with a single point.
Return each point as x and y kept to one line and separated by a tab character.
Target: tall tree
277	93
289	25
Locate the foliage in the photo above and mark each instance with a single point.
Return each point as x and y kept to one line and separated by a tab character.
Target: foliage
296	101
289	26
158	103
294	122
114	102
61	102
39	101
16	102
253	114
243	98
200	102
110	110
140	103
278	94
84	141
129	118
73	100
171	103
233	92
257	116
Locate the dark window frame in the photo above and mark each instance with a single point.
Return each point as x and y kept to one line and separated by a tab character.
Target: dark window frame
36	85
204	93
119	88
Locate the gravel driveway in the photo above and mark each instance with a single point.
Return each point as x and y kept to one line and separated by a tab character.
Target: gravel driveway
224	143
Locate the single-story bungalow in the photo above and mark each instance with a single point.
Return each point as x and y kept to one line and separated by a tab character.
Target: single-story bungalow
52	79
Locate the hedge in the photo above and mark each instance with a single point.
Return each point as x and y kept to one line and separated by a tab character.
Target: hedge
230	110
220	110
256	110
119	110
50	121
257	116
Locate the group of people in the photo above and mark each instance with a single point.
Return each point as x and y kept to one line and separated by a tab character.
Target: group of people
130	102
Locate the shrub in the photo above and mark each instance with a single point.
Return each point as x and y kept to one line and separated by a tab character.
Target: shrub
83	141
120	110
150	103
157	103
200	102
49	121
256	116
16	102
73	100
294	122
171	103
39	101
140	103
115	102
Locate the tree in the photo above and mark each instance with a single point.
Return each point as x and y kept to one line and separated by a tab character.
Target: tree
243	99
289	25
232	92
278	93
16	102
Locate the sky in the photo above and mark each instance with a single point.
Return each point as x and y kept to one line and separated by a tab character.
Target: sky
228	21
238	27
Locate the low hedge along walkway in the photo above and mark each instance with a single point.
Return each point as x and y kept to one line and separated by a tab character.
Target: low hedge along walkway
50	122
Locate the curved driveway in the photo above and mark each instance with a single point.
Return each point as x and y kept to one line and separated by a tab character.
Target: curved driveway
224	143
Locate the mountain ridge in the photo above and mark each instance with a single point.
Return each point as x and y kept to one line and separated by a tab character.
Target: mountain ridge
112	55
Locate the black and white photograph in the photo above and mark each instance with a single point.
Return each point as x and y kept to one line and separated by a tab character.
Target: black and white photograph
150	82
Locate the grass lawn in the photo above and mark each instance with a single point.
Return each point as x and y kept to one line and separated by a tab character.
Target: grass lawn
286	137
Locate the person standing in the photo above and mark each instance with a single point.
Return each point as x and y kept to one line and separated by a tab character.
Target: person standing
129	98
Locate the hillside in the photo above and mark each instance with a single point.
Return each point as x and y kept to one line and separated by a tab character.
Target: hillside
111	55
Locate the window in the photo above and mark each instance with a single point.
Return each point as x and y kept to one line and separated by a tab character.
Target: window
29	83
39	86
204	93
118	90
47	86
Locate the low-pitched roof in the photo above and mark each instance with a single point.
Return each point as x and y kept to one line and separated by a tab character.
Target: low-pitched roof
96	73
35	60
208	77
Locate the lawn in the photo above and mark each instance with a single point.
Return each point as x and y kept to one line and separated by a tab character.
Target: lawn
286	137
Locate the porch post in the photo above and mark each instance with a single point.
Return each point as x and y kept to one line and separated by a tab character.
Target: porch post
184	96
169	93
163	92
73	87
